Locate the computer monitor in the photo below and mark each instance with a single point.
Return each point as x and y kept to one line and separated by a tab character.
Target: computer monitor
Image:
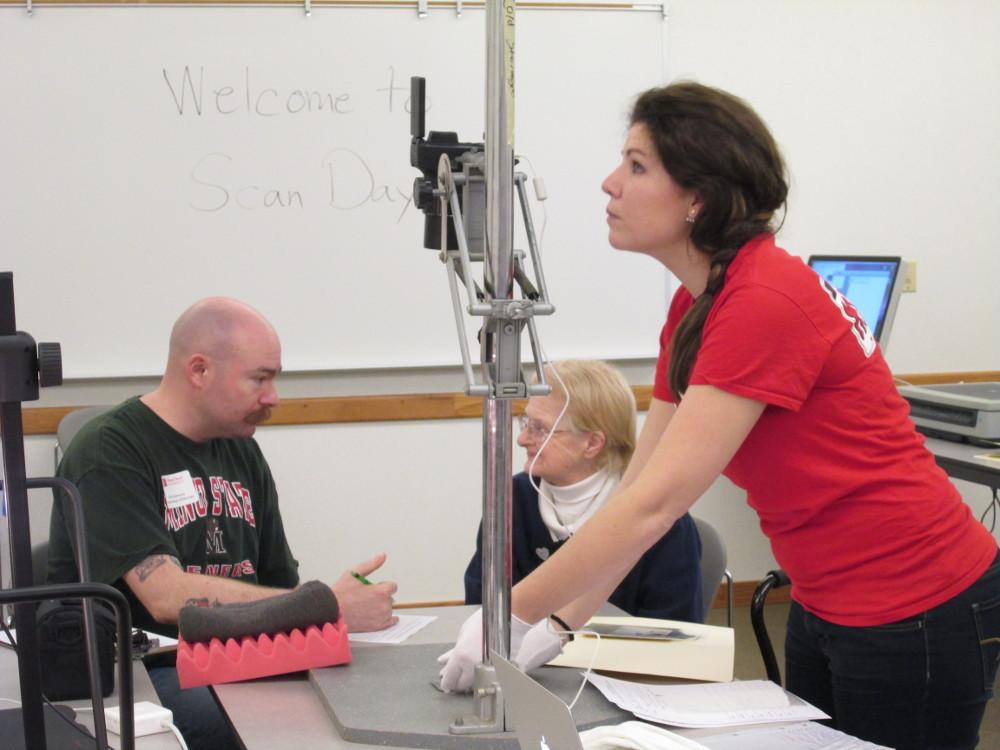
871	282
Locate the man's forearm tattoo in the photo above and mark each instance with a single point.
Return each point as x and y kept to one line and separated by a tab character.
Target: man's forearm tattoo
145	569
202	602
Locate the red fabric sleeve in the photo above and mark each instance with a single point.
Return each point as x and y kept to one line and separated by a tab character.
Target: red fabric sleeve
759	344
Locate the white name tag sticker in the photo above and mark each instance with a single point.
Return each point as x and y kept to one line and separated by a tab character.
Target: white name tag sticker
178	489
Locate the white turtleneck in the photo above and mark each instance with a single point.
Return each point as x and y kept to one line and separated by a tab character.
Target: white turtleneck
565	509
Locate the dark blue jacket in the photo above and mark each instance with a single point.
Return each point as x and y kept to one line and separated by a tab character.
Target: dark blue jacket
665	583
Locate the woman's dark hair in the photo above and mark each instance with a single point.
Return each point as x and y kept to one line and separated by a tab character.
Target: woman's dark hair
713	143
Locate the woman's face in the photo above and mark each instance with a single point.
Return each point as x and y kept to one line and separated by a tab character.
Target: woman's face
647	210
570	456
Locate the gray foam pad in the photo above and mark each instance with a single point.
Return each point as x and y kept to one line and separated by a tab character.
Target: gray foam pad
312	603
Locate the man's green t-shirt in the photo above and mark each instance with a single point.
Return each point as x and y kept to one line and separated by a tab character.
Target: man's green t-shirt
149	490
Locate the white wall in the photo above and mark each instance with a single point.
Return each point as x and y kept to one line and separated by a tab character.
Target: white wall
886	112
411	489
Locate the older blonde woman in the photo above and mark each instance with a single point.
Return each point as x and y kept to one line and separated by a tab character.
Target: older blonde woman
566	482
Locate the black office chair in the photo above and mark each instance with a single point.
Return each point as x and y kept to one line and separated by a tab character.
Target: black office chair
68	426
773	580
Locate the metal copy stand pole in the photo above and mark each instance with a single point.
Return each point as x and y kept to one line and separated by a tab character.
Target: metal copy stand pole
482	177
500	344
501	340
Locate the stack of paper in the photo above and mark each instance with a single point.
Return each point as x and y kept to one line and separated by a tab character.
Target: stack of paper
403	629
698	652
805	736
707	704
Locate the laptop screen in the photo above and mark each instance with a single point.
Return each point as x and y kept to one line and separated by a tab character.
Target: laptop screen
542	720
871	283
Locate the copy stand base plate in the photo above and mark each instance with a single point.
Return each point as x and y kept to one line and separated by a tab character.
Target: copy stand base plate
384	697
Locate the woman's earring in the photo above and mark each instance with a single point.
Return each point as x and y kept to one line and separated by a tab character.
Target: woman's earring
690	217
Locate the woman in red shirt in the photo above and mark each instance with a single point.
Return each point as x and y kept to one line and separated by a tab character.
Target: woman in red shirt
769	376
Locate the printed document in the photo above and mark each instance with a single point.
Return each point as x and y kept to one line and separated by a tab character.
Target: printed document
407	626
805	736
707	704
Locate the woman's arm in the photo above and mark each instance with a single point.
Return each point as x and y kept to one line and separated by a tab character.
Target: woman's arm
695	444
657	418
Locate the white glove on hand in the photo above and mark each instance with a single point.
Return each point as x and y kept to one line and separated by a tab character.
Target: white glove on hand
519	630
540	645
461	660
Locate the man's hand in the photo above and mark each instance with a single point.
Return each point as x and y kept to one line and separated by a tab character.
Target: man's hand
365	607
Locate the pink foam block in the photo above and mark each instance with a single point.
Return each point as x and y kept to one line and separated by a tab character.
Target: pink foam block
216	662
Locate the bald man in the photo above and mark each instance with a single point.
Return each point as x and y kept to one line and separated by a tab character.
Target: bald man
180	505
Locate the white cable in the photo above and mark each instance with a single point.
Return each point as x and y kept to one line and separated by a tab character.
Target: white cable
550	501
541	196
548	439
593	658
177	734
11	700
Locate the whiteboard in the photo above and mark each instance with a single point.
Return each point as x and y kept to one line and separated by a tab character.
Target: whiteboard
151	156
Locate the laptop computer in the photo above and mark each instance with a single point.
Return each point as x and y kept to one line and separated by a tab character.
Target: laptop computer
871	283
541	720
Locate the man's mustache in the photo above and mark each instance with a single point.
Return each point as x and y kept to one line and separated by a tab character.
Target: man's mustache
261	415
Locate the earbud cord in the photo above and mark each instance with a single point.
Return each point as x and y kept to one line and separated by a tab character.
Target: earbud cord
593	658
548	439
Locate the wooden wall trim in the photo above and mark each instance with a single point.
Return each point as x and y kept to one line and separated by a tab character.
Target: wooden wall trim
924	378
415	406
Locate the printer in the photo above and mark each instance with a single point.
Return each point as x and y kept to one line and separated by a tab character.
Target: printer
957	411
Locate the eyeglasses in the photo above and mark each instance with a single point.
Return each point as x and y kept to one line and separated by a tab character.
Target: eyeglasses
535	429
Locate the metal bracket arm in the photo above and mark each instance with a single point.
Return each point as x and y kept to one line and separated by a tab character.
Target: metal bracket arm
481	303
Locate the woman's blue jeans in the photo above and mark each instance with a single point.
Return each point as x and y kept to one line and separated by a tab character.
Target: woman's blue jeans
917	684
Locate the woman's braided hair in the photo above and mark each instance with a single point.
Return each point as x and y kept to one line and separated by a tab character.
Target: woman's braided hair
713	143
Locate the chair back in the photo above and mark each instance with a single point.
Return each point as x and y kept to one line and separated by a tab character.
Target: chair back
71	424
713	567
